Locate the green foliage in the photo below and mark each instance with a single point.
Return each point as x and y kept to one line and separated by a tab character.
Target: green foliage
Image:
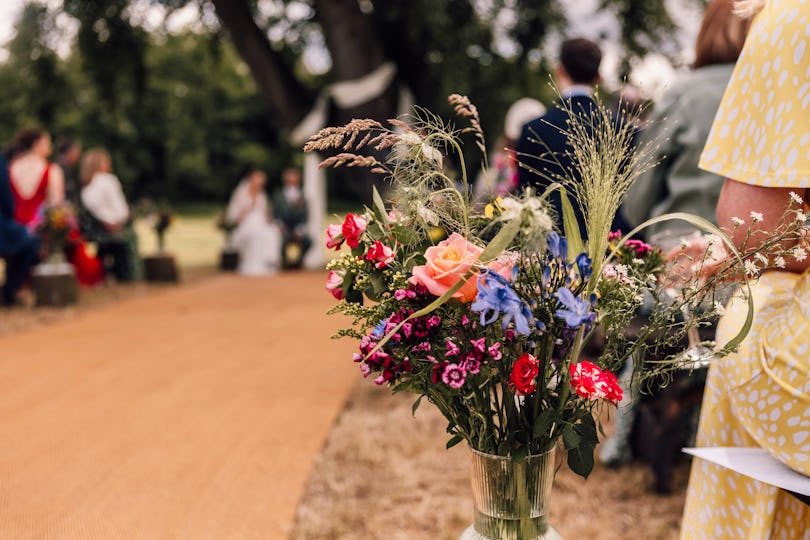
180	114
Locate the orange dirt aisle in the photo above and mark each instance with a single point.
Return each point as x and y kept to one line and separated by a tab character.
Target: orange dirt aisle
195	412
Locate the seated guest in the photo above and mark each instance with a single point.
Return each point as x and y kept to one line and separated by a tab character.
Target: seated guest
107	216
35	181
290	209
255	237
17	246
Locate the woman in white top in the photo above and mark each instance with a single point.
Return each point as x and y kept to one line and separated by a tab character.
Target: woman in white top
103	199
255	237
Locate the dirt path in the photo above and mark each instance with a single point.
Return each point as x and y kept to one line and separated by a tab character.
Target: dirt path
194	412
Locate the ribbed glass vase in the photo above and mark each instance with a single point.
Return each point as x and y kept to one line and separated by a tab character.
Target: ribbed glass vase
511	497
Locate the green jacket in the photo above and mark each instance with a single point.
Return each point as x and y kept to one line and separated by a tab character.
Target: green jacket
680	126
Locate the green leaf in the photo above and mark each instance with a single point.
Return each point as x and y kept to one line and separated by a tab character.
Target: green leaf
416	405
454	441
520	452
379	206
571	227
571	437
543	422
586	429
580	455
580	459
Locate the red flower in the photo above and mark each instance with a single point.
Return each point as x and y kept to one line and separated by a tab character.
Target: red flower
353	227
334	284
334	237
592	383
381	254
524	375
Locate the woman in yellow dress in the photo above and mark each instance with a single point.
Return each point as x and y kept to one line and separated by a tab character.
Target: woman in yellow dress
760	396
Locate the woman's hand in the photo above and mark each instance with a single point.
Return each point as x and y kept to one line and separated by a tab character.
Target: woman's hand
698	258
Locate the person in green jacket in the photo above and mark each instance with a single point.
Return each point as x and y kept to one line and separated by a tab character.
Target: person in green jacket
680	125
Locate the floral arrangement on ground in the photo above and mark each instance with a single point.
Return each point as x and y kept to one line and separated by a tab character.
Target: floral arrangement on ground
485	312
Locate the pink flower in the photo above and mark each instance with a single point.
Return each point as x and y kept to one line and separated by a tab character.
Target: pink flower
334	237
454	376
334	284
353	227
592	383
479	344
504	263
446	264
382	254
640	247
452	349
495	351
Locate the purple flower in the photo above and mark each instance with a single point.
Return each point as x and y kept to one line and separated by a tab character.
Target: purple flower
584	266
576	312
496	297
454	376
557	245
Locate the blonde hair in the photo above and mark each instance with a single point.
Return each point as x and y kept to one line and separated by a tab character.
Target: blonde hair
92	162
748	8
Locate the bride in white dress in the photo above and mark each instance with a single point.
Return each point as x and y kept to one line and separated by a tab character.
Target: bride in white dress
256	237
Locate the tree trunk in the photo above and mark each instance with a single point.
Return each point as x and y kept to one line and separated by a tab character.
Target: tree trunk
356	51
285	95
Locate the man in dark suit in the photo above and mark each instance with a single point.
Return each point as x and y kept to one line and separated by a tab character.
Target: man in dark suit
543	144
17	246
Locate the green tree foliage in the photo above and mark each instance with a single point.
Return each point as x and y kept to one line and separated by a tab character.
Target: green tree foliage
181	114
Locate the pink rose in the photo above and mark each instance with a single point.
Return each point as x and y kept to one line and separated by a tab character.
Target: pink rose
353	227
592	383
334	237
504	264
381	254
446	264
334	284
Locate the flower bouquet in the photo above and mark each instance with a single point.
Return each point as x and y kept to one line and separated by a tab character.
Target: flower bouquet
55	224
486	314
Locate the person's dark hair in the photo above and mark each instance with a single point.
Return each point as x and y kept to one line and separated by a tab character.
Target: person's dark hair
247	170
65	144
722	35
24	140
580	58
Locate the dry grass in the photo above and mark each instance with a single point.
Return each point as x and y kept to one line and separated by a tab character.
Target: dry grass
384	474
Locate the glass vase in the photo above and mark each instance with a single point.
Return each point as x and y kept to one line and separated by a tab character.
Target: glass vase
511	497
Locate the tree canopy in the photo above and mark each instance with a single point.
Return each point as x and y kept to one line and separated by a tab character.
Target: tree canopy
183	113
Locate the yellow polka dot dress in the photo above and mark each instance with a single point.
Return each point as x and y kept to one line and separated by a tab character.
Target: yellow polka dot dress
760	396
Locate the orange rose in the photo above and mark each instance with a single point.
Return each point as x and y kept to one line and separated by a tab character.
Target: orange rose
446	264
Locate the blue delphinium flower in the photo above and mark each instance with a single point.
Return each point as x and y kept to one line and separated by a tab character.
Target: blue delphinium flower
496	297
577	312
557	245
379	330
584	266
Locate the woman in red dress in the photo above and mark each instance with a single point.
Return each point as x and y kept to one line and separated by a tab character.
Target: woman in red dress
36	182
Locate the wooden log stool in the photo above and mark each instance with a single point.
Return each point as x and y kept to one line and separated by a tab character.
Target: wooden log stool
160	268
55	285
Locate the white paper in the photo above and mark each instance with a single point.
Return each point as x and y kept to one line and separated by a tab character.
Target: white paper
755	463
